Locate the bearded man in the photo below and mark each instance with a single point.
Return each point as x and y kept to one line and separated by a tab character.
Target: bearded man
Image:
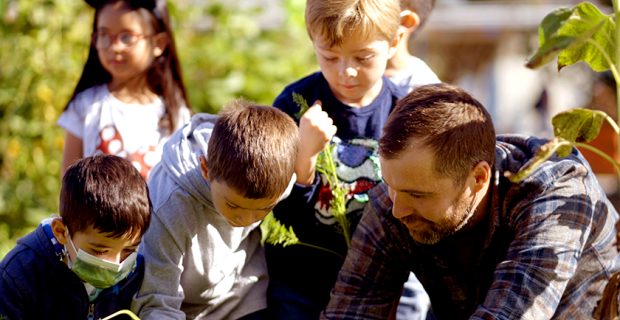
483	247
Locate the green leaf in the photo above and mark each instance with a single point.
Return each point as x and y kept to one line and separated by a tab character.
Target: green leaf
570	33
301	103
552	23
273	232
560	145
578	125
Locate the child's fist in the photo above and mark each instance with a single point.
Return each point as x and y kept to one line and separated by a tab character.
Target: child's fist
316	129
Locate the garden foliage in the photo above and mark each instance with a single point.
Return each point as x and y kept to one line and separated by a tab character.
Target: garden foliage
224	51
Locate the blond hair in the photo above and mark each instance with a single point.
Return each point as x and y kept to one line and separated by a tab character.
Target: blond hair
334	20
253	149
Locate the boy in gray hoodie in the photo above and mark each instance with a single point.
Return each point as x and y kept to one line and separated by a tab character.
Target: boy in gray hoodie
218	177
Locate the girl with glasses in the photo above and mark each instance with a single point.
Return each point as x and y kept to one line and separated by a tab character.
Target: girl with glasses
130	97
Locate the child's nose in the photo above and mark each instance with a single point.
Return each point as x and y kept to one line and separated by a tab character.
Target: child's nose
347	71
246	219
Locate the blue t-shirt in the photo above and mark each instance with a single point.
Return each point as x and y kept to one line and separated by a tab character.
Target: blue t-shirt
312	272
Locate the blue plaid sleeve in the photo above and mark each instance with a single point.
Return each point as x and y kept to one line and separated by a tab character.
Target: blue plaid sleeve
560	230
373	273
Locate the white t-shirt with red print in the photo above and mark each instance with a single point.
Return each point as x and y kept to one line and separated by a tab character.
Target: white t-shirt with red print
108	125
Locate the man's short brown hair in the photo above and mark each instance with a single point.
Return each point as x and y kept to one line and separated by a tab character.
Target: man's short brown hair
253	149
446	118
334	20
106	193
422	8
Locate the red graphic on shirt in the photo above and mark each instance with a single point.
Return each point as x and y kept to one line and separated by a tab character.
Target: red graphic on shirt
325	196
325	193
111	142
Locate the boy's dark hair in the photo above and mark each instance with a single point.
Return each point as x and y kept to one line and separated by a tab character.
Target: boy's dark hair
448	120
106	193
253	149
422	8
164	75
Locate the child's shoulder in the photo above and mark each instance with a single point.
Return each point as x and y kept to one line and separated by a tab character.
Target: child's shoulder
29	253
89	96
416	74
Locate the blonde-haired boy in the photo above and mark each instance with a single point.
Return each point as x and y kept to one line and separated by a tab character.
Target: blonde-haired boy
351	100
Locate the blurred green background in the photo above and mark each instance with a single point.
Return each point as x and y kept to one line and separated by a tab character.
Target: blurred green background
226	51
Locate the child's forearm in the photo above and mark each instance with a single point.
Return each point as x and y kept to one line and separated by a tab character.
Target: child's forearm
305	168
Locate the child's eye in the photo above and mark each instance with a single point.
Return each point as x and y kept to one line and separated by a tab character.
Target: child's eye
416	196
129	250
230	207
328	59
364	59
98	253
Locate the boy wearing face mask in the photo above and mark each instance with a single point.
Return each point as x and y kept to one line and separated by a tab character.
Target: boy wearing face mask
83	264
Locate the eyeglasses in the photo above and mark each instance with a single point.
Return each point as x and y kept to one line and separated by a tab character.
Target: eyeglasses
125	40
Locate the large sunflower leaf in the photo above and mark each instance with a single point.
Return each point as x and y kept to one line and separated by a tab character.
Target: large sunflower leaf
578	125
567	33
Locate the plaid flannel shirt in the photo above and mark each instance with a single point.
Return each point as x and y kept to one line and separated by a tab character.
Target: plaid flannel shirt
548	254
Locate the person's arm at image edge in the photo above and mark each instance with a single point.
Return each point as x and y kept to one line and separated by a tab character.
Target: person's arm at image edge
548	247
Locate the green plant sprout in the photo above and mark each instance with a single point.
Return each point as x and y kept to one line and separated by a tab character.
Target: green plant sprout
273	232
116	314
325	165
301	102
572	35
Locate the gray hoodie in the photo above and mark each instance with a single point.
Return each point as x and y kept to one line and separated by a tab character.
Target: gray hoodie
197	265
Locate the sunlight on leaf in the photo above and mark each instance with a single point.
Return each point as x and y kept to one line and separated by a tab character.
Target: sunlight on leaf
578	125
127	312
576	35
560	145
273	232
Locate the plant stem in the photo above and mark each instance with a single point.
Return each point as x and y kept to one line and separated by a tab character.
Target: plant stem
613	124
599	152
320	248
607	57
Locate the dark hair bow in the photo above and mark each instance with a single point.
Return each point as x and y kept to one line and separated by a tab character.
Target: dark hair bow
150	5
146	4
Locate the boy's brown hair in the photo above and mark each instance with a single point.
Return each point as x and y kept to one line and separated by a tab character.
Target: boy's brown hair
447	119
107	193
253	149
334	20
422	8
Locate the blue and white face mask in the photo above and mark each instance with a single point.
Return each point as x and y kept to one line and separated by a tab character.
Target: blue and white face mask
100	273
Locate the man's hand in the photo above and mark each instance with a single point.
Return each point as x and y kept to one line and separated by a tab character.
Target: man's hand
316	129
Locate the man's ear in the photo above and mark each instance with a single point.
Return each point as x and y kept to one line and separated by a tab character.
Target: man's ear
481	174
160	43
409	20
203	167
60	231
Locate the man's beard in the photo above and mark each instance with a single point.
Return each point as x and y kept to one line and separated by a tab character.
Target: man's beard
433	232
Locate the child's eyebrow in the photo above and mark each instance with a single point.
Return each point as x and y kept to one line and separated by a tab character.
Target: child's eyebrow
98	245
240	207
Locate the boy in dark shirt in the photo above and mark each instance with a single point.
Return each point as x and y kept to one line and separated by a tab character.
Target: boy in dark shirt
353	41
84	264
